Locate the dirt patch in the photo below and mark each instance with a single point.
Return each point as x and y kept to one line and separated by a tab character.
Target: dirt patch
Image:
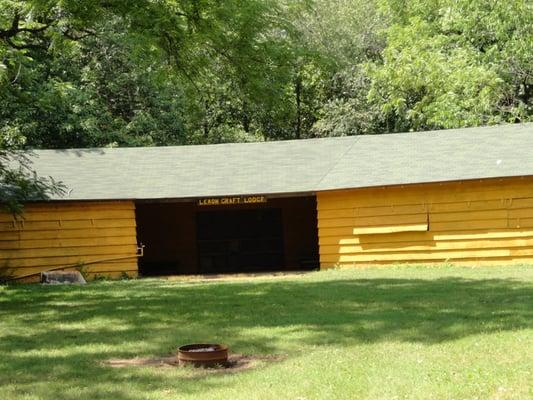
235	363
142	362
236	276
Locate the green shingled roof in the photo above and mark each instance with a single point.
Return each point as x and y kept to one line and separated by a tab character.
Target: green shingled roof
295	166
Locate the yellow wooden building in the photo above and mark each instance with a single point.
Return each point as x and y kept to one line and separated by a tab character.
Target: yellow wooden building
456	196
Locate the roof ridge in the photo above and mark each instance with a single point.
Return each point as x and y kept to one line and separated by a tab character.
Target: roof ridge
356	139
189	145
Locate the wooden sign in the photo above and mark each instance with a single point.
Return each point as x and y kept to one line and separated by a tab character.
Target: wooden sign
230	201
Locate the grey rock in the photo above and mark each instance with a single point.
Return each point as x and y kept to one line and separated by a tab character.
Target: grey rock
62	278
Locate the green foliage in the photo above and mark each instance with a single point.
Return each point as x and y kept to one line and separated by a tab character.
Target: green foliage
114	73
18	182
145	73
110	88
347	111
454	63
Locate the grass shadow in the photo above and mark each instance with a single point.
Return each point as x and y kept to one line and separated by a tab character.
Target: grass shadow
64	332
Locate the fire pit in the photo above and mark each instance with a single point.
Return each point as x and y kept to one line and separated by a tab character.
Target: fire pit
203	354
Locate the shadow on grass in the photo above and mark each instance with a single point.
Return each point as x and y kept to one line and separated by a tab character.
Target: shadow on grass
62	333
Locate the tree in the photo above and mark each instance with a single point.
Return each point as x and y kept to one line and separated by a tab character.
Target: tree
454	63
18	182
90	76
241	84
114	73
339	37
110	73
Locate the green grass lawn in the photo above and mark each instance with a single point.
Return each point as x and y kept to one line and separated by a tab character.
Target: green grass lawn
384	333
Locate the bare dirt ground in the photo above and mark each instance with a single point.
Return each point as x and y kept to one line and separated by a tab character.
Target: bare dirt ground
236	362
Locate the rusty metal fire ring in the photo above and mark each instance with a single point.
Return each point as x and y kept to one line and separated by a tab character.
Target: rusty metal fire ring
203	355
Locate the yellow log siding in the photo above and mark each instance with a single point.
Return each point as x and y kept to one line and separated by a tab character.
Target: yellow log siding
466	223
100	236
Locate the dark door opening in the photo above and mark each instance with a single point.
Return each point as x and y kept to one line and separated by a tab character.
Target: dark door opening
185	238
240	240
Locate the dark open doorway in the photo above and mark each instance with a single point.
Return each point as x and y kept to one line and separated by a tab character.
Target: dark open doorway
240	240
185	238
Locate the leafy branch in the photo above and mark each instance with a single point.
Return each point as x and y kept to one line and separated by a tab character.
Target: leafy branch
19	183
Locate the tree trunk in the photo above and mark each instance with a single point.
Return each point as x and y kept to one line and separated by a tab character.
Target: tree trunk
206	121
245	117
298	93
